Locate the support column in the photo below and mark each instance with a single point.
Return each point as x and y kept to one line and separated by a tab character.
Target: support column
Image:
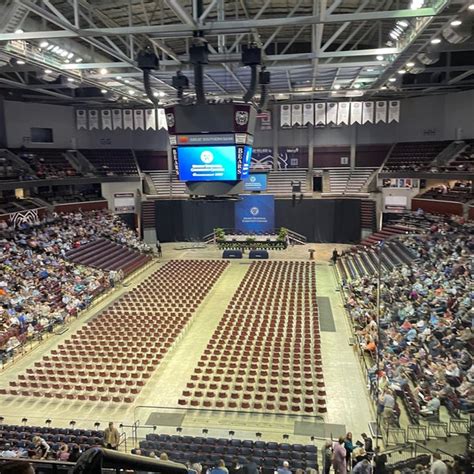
275	129
310	158
352	159
3	125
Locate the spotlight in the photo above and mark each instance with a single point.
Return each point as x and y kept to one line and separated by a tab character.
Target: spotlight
383	88
64	53
403	23
154	428
356	86
471	7
44	44
103	71
312	438
50	47
121	425
119	77
435	41
70	55
369	69
126	81
161	94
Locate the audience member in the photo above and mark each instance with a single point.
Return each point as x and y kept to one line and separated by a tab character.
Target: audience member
111	437
339	456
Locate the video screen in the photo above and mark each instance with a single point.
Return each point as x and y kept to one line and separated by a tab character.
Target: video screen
246	161
207	163
255	182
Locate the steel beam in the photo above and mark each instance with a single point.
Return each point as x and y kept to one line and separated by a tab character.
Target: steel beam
181	12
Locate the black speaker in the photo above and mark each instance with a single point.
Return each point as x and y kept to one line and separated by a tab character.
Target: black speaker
232	254
258	254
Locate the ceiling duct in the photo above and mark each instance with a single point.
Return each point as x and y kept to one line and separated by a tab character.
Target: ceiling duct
457	34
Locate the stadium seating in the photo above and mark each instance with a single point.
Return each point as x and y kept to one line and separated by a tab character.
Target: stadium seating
111	357
208	451
20	436
413	156
112	161
345	180
460	192
47	162
265	354
281	182
107	255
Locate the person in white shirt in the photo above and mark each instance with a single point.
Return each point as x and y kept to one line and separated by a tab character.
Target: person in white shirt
438	466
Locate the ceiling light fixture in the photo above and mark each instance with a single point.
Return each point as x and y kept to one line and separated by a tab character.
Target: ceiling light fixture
78	60
456	23
131	92
20	61
357	86
337	86
384	88
369	69
103	71
44	44
435	41
401	71
410	64
70	55
126	81
48	71
379	57
161	94
104	91
403	23
392	79
19	31
119	77
70	79
471	7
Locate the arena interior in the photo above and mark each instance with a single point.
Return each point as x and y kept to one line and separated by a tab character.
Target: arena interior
236	236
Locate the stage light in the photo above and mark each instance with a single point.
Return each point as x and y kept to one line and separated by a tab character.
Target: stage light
369	69
357	86
403	23
435	41
50	47
231	433
64	53
126	81
286	436
258	435
161	94
44	44
456	23
70	55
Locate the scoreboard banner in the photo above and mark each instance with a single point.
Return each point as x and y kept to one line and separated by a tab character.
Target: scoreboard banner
255	213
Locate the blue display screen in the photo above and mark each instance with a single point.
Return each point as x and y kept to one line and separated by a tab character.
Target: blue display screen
255	182
207	163
246	161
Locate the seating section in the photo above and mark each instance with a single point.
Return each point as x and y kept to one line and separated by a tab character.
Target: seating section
112	357
282	182
107	255
265	354
19	436
208	451
385	232
345	180
109	162
460	192
11	205
47	162
167	184
413	156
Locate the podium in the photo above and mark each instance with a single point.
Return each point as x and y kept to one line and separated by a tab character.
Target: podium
258	254
232	254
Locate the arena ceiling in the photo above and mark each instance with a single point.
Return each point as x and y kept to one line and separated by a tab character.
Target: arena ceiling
84	51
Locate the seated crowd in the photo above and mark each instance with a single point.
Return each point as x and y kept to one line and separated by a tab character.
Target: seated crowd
38	287
425	324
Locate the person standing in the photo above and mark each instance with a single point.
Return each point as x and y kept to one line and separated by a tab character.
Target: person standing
111	437
42	448
158	249
438	466
327	457
349	448
339	459
362	467
380	460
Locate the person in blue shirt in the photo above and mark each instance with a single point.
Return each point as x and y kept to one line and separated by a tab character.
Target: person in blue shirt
285	469
220	469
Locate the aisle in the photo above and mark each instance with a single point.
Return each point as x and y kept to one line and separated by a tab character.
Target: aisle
170	380
346	392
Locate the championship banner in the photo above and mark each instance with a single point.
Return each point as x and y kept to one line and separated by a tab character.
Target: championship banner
93	119
150	119
321	114
394	111
106	120
368	112
265	119
255	213
296	115
285	116
161	119
117	118
138	119
380	111
81	119
308	114
343	113
356	112
127	119
331	116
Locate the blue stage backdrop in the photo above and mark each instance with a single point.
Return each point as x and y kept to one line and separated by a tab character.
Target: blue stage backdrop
255	182
255	213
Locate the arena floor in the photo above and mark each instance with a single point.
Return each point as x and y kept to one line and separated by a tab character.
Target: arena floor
347	401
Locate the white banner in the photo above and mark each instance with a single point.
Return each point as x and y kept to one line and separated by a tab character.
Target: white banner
368	112
296	115
127	119
285	116
331	113
321	114
150	119
356	112
308	114
381	111
162	123
117	118
106	119
93	119
394	111
138	119
81	119
343	113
